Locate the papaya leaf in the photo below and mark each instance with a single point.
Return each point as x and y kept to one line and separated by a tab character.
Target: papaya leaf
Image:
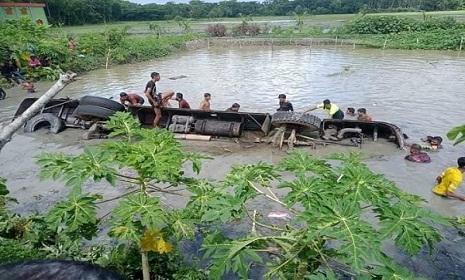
77	216
125	231
302	162
139	207
243	177
123	124
391	270
406	224
457	134
93	163
196	160
180	223
234	256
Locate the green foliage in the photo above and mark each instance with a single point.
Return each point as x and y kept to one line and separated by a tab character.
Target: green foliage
107	11
3	189
329	203
159	30
457	134
43	73
397	24
184	23
21	36
74	218
300	20
15	251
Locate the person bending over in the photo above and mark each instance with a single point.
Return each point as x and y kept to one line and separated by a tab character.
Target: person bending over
131	98
157	100
416	155
450	180
234	108
332	110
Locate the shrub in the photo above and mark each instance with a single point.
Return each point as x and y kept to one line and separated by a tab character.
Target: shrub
396	24
217	30
381	25
13	250
246	29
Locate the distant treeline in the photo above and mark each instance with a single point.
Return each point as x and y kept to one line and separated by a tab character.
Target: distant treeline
76	12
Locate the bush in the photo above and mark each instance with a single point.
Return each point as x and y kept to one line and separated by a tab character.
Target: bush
246	29
13	251
396	24
381	25
217	30
445	23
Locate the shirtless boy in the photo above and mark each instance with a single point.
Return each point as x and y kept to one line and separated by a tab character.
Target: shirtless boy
205	104
131	98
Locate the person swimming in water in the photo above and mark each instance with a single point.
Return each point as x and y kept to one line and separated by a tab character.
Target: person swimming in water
29	86
432	143
416	155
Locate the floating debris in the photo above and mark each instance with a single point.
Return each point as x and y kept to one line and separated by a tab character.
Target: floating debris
177	77
279	215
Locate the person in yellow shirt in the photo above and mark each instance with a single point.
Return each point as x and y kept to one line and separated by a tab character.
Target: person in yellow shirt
332	109
450	180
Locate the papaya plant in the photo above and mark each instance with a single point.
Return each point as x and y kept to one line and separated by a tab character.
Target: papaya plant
457	134
340	211
330	231
155	161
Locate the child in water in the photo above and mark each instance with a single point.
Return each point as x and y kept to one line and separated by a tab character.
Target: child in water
29	86
416	155
432	143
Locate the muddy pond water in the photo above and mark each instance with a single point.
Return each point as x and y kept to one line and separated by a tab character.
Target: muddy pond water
421	92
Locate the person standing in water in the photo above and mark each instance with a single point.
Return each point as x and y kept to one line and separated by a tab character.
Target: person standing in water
205	104
332	109
182	102
450	180
284	105
362	115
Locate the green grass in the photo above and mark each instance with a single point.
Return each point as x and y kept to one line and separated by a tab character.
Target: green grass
142	27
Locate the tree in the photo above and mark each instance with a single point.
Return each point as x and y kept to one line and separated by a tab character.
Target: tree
300	20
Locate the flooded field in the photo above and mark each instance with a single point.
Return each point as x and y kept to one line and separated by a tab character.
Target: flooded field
421	92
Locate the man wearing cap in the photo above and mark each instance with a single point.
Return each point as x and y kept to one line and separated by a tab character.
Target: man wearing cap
332	109
132	99
284	105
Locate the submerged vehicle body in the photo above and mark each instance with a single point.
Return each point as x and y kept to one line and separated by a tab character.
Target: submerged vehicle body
89	109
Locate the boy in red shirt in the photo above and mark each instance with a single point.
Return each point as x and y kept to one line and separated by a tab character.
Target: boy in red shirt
182	102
